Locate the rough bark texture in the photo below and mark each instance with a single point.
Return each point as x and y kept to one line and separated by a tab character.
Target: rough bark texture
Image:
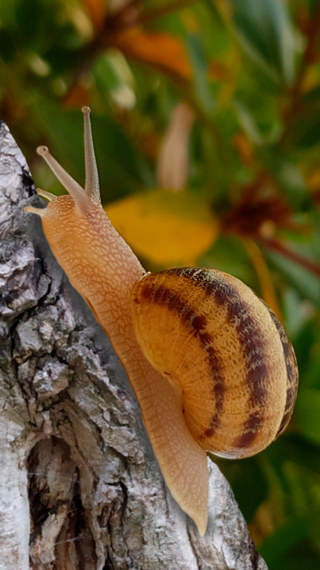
79	485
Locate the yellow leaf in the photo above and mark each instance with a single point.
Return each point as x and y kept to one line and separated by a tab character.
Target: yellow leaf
168	228
163	51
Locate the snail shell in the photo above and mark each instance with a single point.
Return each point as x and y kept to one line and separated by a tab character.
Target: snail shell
211	336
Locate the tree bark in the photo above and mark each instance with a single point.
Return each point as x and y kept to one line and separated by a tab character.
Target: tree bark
80	487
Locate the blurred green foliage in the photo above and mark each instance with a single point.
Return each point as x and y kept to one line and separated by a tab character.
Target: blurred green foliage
249	73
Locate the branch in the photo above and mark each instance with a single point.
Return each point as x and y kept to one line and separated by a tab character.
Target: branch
276	245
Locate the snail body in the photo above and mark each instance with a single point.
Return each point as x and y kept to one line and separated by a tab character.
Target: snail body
209	363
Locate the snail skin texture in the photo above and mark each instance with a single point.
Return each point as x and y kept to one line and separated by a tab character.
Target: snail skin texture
209	363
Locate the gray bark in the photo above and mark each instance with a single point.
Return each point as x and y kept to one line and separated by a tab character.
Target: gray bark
79	484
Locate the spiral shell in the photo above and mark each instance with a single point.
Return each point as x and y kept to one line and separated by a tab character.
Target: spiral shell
211	336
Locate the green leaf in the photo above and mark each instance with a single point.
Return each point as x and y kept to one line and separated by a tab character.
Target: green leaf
282	539
200	73
8	12
306	283
228	254
308	414
29	26
306	131
300	450
243	475
266	33
308	561
113	76
9	45
105	74
286	172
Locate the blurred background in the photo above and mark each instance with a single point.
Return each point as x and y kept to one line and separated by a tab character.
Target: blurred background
206	121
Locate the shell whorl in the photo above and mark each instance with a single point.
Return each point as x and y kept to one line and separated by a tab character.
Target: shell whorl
208	332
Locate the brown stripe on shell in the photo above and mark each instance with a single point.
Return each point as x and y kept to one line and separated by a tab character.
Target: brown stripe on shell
254	351
196	323
251	341
292	374
250	430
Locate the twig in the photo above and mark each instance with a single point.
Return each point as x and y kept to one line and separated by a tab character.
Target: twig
278	246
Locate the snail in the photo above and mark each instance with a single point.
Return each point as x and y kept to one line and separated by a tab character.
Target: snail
209	363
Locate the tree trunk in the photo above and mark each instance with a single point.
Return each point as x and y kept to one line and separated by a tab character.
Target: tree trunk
79	485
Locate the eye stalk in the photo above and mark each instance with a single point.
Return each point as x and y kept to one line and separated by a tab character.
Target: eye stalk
92	189
92	186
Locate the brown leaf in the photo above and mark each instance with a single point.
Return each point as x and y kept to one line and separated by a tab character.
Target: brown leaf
162	51
76	97
96	10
